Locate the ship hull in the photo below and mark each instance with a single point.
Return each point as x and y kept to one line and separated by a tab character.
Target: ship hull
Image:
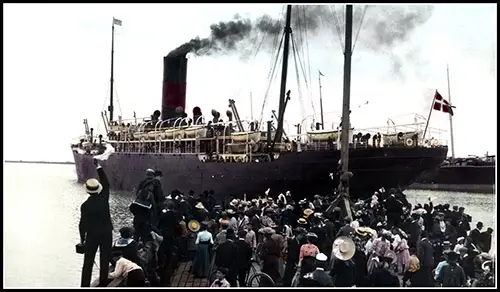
466	178
304	173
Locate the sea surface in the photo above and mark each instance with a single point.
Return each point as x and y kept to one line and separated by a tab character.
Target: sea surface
41	205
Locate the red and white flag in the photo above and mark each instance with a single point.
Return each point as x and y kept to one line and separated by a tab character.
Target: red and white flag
441	104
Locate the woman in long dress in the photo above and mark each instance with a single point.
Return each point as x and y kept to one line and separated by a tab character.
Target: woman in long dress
204	242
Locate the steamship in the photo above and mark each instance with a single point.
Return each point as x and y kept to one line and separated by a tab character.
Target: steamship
236	157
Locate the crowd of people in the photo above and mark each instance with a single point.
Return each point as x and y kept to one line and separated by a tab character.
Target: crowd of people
382	241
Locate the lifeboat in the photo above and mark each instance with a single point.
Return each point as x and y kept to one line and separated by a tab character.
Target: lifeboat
198	131
324	135
243	137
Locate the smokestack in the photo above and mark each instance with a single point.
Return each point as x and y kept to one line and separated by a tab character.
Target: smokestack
174	86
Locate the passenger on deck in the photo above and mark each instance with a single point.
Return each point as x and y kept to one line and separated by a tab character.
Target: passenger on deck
132	271
96	227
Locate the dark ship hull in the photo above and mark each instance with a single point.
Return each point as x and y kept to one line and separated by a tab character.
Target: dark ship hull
465	178
303	173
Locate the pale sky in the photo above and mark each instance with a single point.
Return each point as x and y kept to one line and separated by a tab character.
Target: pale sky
57	66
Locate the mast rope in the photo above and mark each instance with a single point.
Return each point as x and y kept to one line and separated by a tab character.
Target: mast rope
271	78
117	99
336	22
308	61
359	28
295	57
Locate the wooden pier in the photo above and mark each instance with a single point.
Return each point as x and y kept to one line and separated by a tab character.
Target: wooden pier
182	277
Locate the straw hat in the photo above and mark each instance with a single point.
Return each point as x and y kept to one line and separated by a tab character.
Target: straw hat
234	202
93	186
199	206
302	221
343	248
194	225
230	211
308	212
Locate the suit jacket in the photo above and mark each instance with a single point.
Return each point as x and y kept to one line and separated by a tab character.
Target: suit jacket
244	255
95	219
227	256
426	253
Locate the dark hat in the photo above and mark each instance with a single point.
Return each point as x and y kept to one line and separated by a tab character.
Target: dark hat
455	207
158	173
229	233
126	232
223	270
451	255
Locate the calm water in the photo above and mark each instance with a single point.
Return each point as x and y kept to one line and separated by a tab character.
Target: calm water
42	211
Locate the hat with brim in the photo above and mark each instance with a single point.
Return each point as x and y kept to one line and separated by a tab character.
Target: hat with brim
486	263
308	212
451	255
321	257
199	206
93	186
234	202
343	248
194	225
302	221
230	211
267	231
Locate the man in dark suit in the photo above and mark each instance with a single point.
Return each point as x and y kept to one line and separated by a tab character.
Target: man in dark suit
475	235
244	257
426	257
96	227
226	256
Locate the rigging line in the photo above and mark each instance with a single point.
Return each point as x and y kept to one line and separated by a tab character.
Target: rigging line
275	45
273	79
302	66
301	101
118	99
359	28
308	60
273	70
337	25
276	41
253	61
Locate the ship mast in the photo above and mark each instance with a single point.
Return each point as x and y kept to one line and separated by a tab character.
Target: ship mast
346	125
344	138
111	80
450	116
282	103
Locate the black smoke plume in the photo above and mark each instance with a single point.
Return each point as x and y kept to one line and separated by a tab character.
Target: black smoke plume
226	36
383	27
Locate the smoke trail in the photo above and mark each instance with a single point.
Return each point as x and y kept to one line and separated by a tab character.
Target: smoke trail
226	36
388	26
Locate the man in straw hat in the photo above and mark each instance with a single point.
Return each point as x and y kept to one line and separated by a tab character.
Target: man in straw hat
96	227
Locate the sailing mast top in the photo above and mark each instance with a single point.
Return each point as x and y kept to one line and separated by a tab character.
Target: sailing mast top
282	103
346	125
111	80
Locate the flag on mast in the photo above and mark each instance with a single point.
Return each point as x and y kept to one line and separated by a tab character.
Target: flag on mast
441	104
117	22
321	74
